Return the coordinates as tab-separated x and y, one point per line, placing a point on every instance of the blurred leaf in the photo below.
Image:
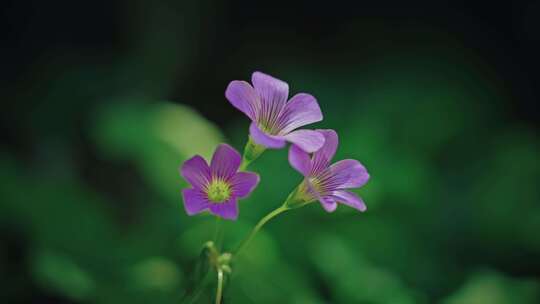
199	277
157	137
353	278
62	275
156	273
490	287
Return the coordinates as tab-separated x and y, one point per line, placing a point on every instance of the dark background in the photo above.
438	100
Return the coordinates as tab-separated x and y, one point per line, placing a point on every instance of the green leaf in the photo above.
157	137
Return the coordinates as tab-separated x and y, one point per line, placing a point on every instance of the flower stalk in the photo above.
220	262
258	227
252	151
219	290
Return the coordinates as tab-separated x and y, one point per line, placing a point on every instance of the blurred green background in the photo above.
103	101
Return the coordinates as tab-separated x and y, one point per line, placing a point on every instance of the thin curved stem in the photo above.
216	229
219	290
258	227
218	232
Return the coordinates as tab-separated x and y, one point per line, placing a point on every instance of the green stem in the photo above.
258	227
243	166
219	290
218	232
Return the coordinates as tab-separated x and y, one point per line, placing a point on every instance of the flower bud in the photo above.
224	258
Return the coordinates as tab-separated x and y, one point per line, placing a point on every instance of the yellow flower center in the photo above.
316	184
303	194
266	129
218	191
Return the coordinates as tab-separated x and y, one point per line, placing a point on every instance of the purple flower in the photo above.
274	120
328	183
219	186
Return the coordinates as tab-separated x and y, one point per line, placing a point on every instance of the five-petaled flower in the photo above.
324	182
219	186
274	120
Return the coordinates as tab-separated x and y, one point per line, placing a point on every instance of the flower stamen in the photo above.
218	191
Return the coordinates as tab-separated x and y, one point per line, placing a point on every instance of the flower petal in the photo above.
299	160
323	156
328	203
243	97
301	110
227	210
308	140
196	171
261	138
349	199
349	173
195	201
225	161
243	183
273	92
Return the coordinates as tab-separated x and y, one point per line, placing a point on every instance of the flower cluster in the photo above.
275	120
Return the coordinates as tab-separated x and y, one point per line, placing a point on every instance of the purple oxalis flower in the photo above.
274	120
219	186
328	183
